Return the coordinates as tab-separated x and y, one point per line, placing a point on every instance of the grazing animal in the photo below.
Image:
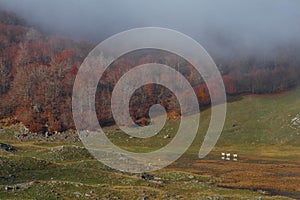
228	155
223	154
235	155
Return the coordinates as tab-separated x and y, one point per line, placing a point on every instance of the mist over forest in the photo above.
154	125
220	26
255	44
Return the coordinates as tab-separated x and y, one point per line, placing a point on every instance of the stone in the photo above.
7	147
8	188
147	176
191	176
16	187
167	136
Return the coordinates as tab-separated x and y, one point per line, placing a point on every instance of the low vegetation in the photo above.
257	128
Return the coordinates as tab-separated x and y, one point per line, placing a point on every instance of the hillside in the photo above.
256	122
258	128
38	72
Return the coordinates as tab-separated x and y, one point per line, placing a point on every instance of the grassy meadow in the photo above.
258	128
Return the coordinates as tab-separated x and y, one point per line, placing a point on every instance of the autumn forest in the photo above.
37	72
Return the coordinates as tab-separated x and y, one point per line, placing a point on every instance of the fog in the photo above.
218	25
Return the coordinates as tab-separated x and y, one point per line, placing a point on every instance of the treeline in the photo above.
37	74
263	74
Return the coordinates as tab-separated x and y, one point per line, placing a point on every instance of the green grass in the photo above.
251	122
262	120
255	122
255	126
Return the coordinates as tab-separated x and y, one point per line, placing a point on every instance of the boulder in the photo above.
7	147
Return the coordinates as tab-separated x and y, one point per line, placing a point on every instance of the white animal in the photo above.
228	155
223	154
235	156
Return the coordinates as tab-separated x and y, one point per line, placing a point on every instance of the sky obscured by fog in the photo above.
216	24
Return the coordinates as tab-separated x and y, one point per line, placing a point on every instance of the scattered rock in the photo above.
47	136
11	175
15	187
7	188
295	122
167	136
7	147
78	184
191	176
87	195
157	182
23	130
168	195
147	176
77	194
